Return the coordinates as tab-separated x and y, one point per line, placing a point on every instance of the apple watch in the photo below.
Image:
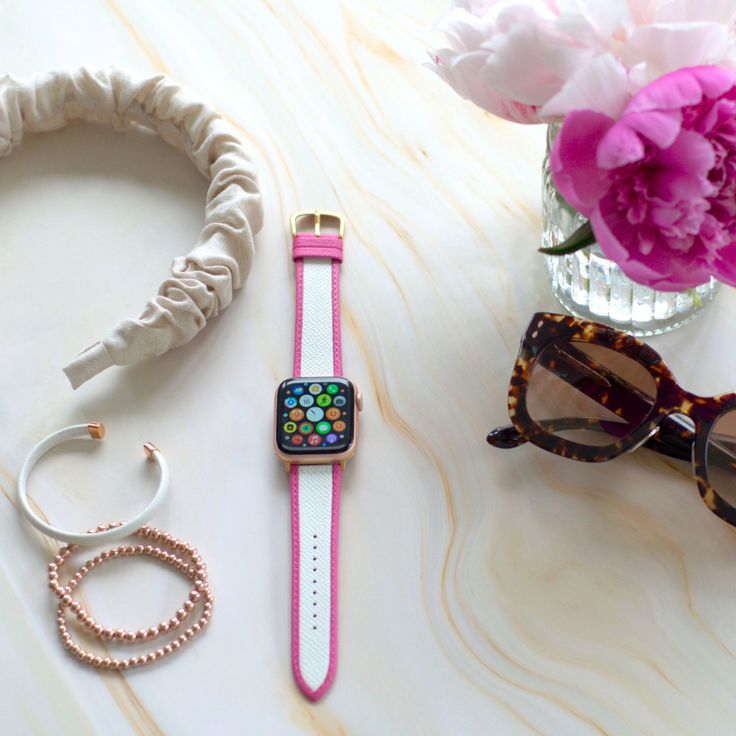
316	433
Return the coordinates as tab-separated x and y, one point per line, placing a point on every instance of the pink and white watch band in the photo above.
315	489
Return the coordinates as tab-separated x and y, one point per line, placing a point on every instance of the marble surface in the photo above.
483	592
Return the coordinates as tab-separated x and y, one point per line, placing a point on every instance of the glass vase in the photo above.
591	286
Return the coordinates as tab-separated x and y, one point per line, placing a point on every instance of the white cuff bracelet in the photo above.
95	431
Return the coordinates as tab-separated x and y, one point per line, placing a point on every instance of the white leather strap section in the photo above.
315	505
315	489
317	349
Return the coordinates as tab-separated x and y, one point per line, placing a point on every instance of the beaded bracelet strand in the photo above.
195	569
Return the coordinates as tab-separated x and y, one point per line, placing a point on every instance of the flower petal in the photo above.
600	85
619	146
665	47
661	127
530	61
476	7
464	73
725	264
615	250
678	11
682	169
573	159
673	278
669	92
657	266
591	20
465	31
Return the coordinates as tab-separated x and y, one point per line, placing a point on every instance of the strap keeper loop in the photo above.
309	245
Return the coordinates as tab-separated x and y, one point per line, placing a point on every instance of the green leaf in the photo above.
581	238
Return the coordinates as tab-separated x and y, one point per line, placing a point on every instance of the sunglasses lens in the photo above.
721	457
588	394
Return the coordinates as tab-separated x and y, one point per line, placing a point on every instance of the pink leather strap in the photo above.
315	489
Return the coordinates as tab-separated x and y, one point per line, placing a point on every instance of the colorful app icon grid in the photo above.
318	417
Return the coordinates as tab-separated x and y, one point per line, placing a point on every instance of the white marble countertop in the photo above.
482	592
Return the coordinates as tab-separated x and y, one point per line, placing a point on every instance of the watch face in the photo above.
315	416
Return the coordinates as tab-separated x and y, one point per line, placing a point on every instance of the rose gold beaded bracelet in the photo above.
195	569
160	546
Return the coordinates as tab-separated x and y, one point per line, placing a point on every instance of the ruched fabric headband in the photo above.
202	281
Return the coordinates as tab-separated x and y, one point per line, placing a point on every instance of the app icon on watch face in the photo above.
315	415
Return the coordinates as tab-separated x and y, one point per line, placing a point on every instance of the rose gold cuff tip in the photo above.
150	448
96	430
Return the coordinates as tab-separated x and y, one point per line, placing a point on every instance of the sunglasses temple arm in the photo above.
508	437
505	438
672	441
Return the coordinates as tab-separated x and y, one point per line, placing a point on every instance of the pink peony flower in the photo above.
659	183
534	61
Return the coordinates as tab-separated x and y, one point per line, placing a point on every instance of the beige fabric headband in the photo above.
202	281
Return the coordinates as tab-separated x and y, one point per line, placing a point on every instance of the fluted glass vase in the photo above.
591	286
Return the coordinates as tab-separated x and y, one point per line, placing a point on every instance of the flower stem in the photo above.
581	238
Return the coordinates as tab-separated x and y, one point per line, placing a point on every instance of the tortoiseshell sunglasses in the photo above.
588	392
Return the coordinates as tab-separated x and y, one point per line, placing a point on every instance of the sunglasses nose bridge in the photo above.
673	399
685	403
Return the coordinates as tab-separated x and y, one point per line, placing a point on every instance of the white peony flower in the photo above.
535	60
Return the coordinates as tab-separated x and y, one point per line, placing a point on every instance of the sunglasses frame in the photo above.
546	329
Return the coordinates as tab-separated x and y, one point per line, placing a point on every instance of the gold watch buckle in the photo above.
317	217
